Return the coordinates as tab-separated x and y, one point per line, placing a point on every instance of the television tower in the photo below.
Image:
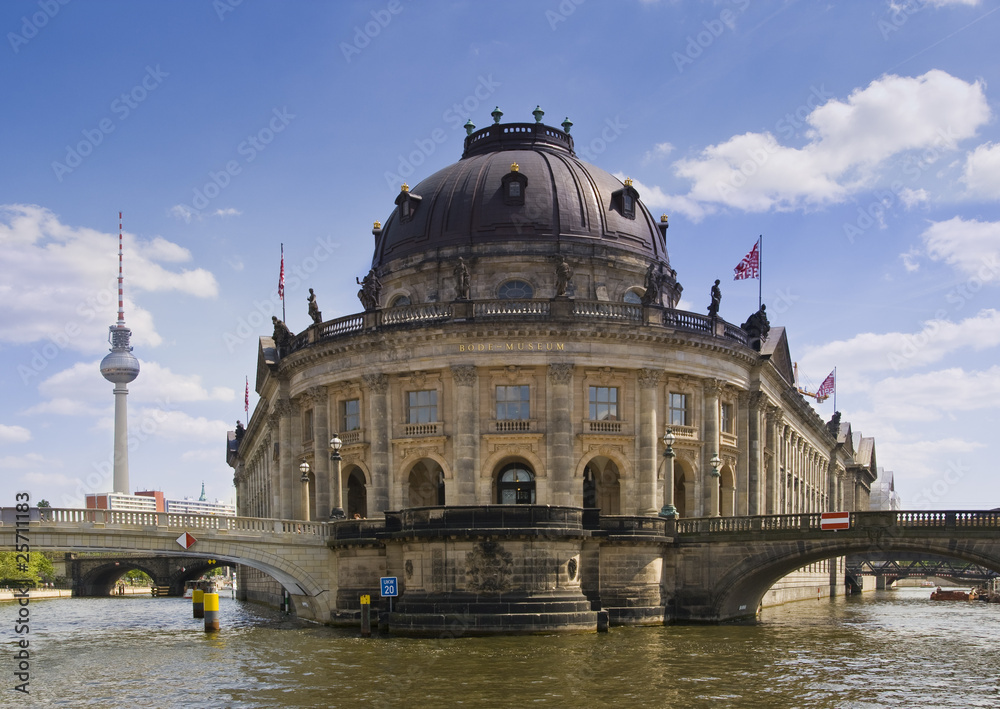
120	366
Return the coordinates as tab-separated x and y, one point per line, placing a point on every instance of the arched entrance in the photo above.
425	486
681	478
357	494
727	491
601	486
515	484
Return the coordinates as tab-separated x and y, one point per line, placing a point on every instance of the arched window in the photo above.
357	494
632	297
516	485
399	301
426	485
515	289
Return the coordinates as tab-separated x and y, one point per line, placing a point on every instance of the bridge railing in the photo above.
812	521
76	517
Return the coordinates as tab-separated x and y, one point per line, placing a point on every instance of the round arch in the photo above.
683	488
727	491
486	488
355	481
600	479
514	484
424	483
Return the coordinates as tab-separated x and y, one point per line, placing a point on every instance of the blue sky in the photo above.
861	139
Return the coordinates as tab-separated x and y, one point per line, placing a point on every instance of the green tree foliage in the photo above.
38	569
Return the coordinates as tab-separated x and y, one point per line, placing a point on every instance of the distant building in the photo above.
155	501
883	494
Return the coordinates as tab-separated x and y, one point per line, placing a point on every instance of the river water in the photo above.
884	649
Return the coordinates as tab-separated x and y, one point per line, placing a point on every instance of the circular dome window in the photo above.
516	289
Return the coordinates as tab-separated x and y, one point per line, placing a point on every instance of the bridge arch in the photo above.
738	592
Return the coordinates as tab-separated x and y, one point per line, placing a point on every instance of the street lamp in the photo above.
304	469
337	512
668	510
716	463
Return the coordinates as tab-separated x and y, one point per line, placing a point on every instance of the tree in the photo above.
44	503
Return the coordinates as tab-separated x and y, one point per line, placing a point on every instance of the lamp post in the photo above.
337	512
668	510
304	469
716	463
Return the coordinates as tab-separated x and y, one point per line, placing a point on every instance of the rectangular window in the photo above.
422	406
512	403
678	410
728	422
307	425
350	415
603	403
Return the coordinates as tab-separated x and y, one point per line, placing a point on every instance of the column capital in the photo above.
649	378
376	383
712	387
464	374
560	372
315	395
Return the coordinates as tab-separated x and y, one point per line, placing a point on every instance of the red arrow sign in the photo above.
835	520
186	540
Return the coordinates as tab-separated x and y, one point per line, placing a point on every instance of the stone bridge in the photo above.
294	553
97	574
725	565
696	570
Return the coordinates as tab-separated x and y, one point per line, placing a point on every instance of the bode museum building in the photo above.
519	413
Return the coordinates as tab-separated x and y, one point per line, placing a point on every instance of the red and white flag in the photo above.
281	276
749	267
828	386
246	398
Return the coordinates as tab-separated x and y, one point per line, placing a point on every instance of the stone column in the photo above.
560	435
756	450
284	477
317	397
774	416
712	388
649	382
463	489
381	428
744	451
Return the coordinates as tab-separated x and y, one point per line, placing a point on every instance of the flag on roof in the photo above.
828	386
749	267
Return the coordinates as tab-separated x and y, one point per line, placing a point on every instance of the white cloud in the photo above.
228	212
60	281
912	197
982	171
971	246
182	212
850	144
929	396
24	462
659	151
654	198
14	434
76	390
871	352
175	425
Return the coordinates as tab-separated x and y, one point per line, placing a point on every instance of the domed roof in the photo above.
120	367
559	198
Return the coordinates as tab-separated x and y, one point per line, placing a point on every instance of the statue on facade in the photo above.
239	431
282	335
713	307
757	326
314	313
462	280
653	284
564	274
371	288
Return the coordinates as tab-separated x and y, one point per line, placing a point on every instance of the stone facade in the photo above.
541	369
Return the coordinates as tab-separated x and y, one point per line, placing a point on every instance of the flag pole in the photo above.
282	283
760	270
835	390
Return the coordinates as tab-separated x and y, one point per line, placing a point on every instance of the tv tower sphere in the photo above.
120	365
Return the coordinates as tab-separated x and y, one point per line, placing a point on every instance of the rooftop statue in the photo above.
462	280
371	289
757	327
713	307
653	284
282	335
564	274
314	313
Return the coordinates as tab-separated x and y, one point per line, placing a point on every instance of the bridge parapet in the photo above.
75	517
812	522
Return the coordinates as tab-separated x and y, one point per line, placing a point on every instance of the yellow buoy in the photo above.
198	603
211	612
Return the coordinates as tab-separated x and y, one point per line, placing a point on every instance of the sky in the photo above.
860	140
